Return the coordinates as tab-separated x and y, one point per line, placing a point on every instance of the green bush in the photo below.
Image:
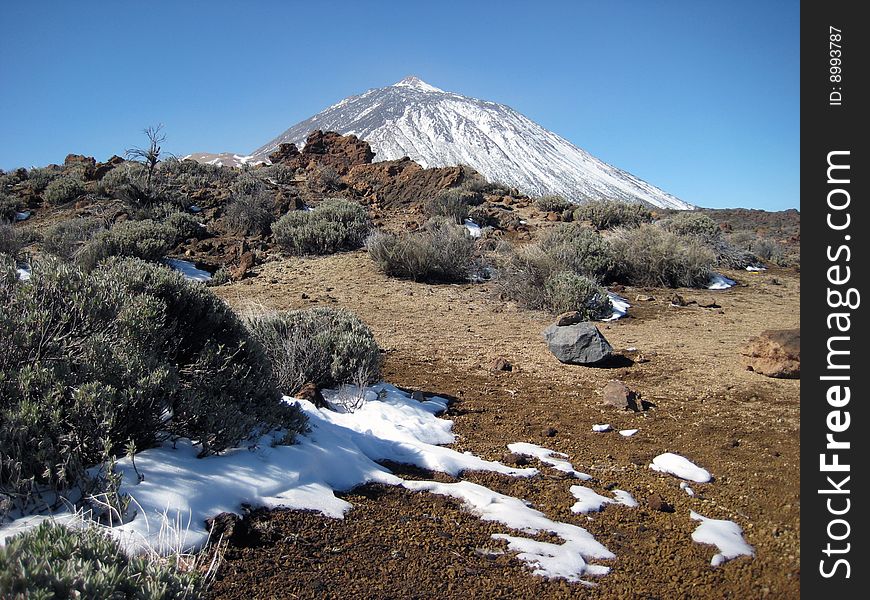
453	203
194	175
185	226
650	255
334	225
148	240
52	561
324	346
552	204
38	179
567	291
250	212
522	274
62	190
129	352
579	249
8	207
607	214
693	224
65	237
11	241
442	252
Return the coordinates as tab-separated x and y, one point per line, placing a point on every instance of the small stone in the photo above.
550	432
500	364
656	502
618	395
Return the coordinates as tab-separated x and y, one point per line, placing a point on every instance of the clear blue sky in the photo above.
700	98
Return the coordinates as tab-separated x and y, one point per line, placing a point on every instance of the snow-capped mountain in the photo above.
437	128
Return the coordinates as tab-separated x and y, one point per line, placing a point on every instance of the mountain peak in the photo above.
412	81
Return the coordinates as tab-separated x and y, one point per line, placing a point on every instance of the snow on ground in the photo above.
627	432
548	457
681	467
601	428
473	228
23	273
685	487
620	306
567	560
188	269
589	500
22	216
195	209
727	536
720	282
753	269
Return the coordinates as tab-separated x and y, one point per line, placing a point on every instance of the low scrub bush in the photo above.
553	204
579	249
334	225
128	353
250	211
65	237
185	226
325	346
62	190
567	291
442	252
39	178
147	239
650	255
453	203
694	225
194	175
11	242
52	561
607	214
8	207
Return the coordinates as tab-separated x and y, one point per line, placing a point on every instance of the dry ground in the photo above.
741	426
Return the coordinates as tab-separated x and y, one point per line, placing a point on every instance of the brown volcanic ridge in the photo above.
687	364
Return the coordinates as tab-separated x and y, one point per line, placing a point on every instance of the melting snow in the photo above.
473	228
627	432
548	457
591	501
23	273
727	536
685	487
188	269
752	269
22	216
680	466
620	306
720	282
601	428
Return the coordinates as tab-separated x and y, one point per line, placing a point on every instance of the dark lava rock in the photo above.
578	344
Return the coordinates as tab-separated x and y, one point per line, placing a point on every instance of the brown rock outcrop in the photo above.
775	353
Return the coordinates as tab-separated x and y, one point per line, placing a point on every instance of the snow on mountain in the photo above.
438	128
224	159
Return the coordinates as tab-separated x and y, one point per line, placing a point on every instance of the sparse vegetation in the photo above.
65	237
693	224
567	291
579	249
53	561
146	239
653	256
250	212
553	203
442	252
607	214
11	241
8	207
324	346
334	225
453	203
62	190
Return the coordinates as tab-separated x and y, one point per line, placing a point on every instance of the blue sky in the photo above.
700	98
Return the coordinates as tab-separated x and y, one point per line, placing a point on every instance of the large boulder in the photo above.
775	353
577	344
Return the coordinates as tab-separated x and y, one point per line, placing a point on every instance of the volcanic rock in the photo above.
578	344
775	353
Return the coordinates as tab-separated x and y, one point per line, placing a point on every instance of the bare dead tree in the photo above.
150	155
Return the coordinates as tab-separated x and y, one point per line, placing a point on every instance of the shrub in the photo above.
522	275
11	241
693	224
90	362
441	252
38	179
328	178
769	250
250	212
121	176
453	203
607	214
147	239
552	204
194	175
63	238
8	207
52	561
566	290
185	226
62	190
324	346
579	249
334	225
653	256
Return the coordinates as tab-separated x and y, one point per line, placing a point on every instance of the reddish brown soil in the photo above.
740	425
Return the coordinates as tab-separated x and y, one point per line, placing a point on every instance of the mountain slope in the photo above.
437	128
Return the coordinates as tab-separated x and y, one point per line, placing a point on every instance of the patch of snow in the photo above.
188	269
195	209
681	467
720	282
685	487
623	497
589	500
727	536
567	560
753	269
627	432
601	428
23	273
23	215
548	457
620	306
337	454
473	228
